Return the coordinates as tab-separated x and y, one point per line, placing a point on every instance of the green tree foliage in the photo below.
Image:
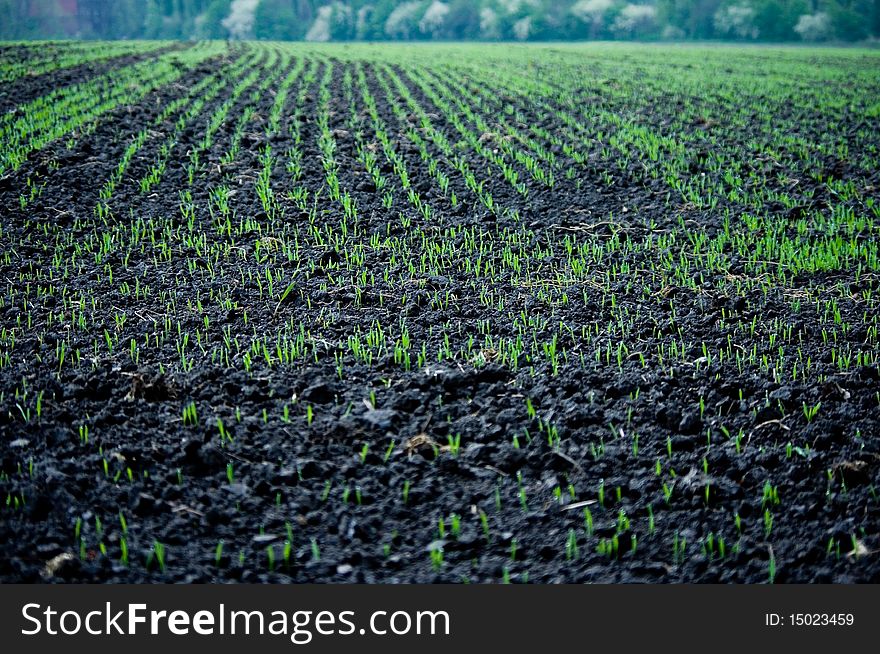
744	20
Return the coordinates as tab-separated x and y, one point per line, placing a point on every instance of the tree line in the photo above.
481	20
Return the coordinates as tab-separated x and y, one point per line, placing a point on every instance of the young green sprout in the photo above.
771	567
270	558
437	558
389	450
571	546
484	526
810	412
454	444
157	555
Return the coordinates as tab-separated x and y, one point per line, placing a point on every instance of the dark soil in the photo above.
188	491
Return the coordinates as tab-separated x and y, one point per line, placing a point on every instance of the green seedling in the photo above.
810	412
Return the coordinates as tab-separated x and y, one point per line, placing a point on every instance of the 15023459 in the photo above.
821	619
